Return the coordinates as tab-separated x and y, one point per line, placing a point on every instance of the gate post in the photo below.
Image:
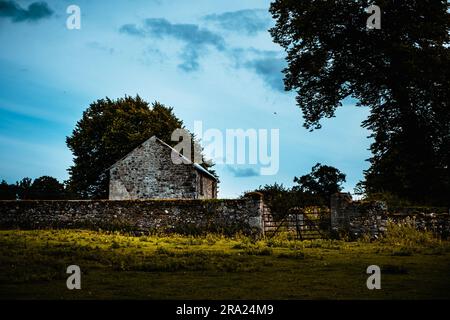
257	221
339	214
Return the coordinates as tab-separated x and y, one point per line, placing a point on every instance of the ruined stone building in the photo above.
148	172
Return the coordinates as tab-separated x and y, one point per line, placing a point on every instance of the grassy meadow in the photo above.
33	265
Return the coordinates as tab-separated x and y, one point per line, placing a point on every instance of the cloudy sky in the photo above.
211	60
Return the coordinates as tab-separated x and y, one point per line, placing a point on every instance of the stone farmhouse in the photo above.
148	172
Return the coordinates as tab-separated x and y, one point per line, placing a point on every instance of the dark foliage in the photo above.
323	181
8	191
401	72
46	188
42	188
108	130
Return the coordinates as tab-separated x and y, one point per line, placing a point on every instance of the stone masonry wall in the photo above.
206	187
183	216
357	218
149	173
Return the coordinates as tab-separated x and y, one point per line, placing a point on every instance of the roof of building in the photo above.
185	160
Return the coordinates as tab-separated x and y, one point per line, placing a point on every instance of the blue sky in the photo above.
212	61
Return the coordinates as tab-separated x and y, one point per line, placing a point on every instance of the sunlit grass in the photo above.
118	265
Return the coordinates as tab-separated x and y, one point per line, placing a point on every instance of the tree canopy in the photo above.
323	181
7	191
46	188
42	188
312	189
401	72
107	131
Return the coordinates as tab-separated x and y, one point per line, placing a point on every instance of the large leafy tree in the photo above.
108	130
312	189
400	71
322	181
46	188
23	188
42	188
8	191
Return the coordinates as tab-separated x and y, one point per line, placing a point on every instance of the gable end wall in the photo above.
148	173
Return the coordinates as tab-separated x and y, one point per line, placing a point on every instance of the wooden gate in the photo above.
303	223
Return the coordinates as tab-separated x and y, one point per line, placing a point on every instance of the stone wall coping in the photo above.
124	201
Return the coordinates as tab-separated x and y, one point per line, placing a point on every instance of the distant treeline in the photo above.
42	188
312	189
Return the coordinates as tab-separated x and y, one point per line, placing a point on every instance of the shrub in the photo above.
297	254
115	245
402	252
162	251
405	234
258	251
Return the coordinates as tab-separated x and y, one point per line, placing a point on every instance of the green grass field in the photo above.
119	266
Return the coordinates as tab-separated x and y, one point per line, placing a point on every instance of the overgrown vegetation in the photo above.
42	188
400	72
310	190
118	265
405	240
